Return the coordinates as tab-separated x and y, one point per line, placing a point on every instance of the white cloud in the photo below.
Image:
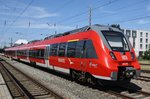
32	11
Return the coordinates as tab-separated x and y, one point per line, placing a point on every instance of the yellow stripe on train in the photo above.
73	40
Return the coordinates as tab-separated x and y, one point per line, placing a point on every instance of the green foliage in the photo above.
147	55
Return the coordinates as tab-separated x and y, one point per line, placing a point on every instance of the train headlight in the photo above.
132	56
113	55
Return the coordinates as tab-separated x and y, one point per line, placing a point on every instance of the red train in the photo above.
97	51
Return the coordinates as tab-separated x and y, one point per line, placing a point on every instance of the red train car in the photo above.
97	51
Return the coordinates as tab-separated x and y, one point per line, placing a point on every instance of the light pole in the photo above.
11	41
55	27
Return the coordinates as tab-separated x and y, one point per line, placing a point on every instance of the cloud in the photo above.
35	25
39	12
143	22
32	11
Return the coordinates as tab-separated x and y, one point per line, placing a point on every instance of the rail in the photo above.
23	85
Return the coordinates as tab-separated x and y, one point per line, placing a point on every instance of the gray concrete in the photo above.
4	92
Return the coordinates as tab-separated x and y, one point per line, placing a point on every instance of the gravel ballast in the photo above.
66	88
143	84
70	89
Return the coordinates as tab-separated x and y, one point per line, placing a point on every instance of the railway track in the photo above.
145	64
122	92
128	93
144	78
22	86
145	71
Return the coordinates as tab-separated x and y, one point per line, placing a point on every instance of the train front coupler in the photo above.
126	72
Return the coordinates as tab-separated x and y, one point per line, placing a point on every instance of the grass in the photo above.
144	67
144	61
147	67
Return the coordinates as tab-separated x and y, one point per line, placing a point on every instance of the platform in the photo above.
4	92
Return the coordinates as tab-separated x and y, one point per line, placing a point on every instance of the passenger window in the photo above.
80	49
33	53
90	51
71	49
40	53
62	48
53	50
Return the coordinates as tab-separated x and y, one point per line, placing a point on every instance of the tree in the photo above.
147	55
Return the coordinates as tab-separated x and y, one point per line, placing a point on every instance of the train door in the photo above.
87	54
81	53
27	52
46	56
15	54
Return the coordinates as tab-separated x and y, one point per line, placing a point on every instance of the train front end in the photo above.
118	55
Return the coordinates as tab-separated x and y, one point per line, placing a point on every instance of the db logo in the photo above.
124	57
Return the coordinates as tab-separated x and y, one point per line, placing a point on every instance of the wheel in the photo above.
90	79
74	75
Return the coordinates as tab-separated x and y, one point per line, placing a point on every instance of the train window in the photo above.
90	51
80	49
47	51
25	52
71	49
116	41
33	53
62	48
53	50
40	53
30	53
21	52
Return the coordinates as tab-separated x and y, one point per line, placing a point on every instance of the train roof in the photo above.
92	27
40	43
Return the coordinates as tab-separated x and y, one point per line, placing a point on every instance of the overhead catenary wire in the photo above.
121	21
133	19
4	4
70	1
9	27
124	8
13	11
5	22
113	14
63	6
82	13
109	15
85	12
20	15
127	13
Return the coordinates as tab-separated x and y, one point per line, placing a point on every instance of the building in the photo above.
21	41
140	40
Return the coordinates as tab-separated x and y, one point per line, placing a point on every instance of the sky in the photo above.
36	19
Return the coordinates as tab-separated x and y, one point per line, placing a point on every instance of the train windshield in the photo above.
116	40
